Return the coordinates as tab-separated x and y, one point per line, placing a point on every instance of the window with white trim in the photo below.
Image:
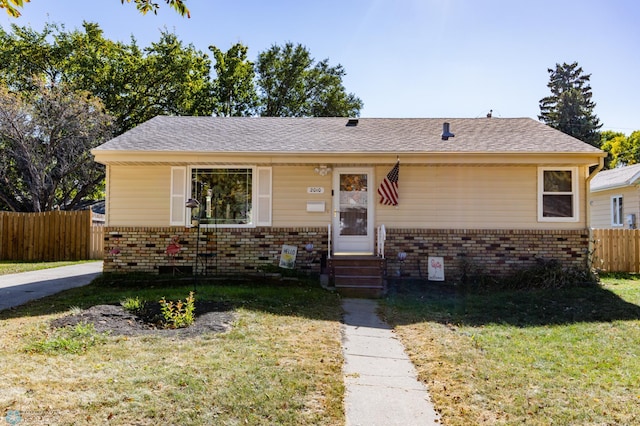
234	196
616	211
558	194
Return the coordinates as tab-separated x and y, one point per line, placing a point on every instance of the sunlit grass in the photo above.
279	364
538	357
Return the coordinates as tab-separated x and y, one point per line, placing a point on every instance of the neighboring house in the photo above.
493	198
615	198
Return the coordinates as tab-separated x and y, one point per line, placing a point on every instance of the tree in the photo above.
292	86
234	91
570	108
45	138
144	6
622	150
167	79
615	144
134	84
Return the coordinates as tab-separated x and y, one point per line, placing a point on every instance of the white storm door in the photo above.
353	211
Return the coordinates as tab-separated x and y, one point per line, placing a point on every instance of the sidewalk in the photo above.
16	289
382	388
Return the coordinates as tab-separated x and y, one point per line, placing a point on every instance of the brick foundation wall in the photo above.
245	250
492	252
238	250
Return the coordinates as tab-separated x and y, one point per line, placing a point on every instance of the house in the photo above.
483	194
615	198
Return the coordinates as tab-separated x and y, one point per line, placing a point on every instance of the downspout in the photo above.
588	181
591	245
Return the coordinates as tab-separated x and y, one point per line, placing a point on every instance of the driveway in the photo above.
16	289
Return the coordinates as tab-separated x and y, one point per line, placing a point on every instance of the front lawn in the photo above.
544	357
280	363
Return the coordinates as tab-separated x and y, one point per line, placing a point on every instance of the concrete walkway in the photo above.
382	388
16	289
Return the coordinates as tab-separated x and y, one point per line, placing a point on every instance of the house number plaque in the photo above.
315	190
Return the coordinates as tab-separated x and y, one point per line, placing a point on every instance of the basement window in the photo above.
557	194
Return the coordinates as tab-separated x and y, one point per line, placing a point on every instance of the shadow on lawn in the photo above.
302	298
520	308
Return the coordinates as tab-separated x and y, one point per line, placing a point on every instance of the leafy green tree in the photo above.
45	139
292	86
134	84
615	144
569	108
145	6
623	150
234	91
168	79
633	141
27	57
12	7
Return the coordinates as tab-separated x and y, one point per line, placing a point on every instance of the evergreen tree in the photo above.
570	108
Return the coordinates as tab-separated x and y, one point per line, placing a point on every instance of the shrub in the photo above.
178	314
545	274
549	273
135	305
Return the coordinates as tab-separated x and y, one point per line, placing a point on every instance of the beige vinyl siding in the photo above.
139	195
431	196
439	197
600	204
290	196
470	197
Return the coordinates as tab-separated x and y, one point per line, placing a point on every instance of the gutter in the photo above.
596	170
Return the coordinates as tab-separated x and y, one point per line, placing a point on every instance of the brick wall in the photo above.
491	252
238	250
242	250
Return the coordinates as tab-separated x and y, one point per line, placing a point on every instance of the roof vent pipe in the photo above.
446	134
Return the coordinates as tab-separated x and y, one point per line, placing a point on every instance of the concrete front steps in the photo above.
358	276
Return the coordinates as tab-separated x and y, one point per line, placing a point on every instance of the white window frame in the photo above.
259	176
617	210
574	193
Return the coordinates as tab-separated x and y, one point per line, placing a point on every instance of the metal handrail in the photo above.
329	241
382	237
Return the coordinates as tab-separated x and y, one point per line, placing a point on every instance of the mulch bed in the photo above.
211	317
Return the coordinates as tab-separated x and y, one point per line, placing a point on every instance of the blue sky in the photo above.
410	58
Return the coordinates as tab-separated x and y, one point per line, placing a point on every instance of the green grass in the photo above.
281	362
543	357
68	340
11	267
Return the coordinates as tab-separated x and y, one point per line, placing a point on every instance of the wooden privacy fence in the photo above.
50	236
616	250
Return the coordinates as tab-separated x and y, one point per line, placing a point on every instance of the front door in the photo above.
353	211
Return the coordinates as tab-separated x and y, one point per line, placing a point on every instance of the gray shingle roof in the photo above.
331	135
616	178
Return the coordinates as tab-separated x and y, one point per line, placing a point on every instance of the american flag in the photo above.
388	190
